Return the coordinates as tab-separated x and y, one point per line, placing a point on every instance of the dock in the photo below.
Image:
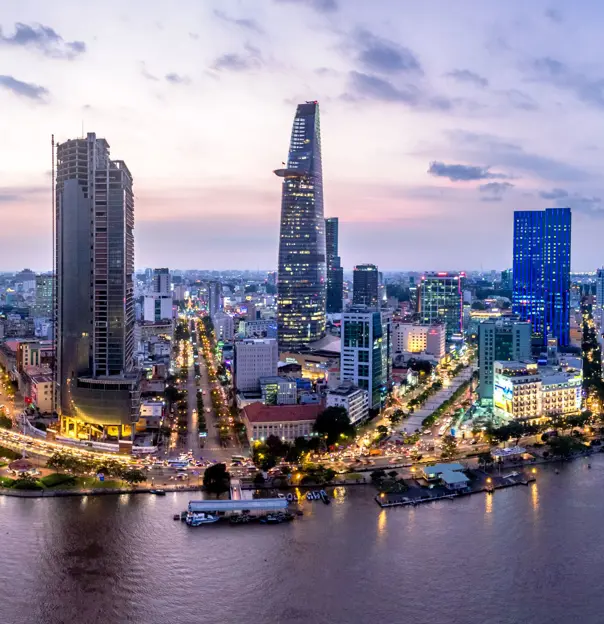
417	495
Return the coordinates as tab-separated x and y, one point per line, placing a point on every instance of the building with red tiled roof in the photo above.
284	421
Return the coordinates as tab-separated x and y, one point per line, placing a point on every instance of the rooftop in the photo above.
261	413
345	389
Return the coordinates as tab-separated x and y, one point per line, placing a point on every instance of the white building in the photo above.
259	328
366	349
255	358
279	391
353	399
527	390
157	308
41	392
224	326
419	339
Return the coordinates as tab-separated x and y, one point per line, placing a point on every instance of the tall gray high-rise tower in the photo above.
97	387
335	272
301	286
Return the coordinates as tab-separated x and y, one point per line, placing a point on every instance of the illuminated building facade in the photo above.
301	285
366	358
97	386
365	285
335	272
440	300
541	271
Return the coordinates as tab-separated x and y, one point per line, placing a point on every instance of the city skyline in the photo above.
446	142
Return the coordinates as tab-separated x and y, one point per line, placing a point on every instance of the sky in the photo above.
437	122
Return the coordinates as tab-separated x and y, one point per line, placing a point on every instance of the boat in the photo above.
158	492
176	516
197	519
270	519
324	497
292	498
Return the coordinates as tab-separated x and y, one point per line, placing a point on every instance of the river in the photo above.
523	555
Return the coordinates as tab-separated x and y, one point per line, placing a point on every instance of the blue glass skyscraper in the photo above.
301	285
541	271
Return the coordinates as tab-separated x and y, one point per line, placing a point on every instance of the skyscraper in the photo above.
214	298
335	272
541	271
367	351
301	285
440	300
365	286
96	383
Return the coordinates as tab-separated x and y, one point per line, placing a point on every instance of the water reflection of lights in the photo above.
381	527
488	503
83	502
535	496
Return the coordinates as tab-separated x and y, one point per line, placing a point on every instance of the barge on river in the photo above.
209	511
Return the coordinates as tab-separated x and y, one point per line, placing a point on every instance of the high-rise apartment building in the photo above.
161	282
301	285
500	340
335	272
365	286
366	358
255	358
541	271
214	298
157	304
440	300
96	383
44	296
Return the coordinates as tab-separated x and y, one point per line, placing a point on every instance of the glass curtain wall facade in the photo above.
365	285
335	272
441	301
301	285
541	271
96	383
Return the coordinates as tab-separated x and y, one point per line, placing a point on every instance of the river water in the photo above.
524	555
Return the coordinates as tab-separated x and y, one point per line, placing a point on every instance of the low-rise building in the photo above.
151	415
526	390
254	358
278	390
353	399
41	391
450	475
287	422
417	339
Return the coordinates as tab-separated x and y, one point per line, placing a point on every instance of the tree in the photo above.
449	447
382	429
5	422
396	416
393	474
275	446
259	479
216	479
378	475
485	459
133	475
564	446
334	425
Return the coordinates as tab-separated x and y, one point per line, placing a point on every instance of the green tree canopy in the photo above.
334	424
216	479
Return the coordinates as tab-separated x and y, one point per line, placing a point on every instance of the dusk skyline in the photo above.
436	126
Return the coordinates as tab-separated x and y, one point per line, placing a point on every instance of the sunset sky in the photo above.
438	120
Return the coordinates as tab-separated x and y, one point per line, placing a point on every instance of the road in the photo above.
414	422
192	416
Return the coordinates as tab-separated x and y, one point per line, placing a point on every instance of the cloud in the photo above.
45	40
245	23
494	191
562	198
320	6
556	193
371	87
486	147
463	173
380	55
554	15
177	79
520	100
239	62
467	76
146	73
24	89
550	70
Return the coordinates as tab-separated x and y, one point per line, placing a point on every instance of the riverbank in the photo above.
94	491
